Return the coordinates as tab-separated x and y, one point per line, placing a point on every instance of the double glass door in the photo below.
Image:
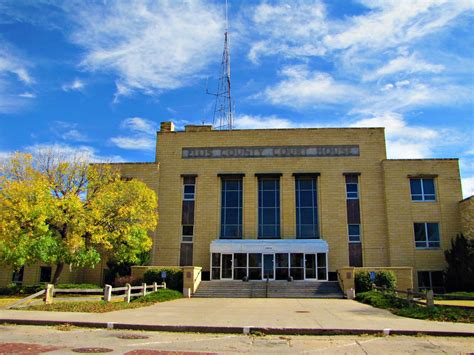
276	266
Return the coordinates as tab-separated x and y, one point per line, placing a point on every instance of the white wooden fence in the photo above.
107	294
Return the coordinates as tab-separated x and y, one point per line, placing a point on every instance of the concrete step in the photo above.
274	289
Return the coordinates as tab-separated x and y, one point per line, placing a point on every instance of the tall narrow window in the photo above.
231	208
187	221
422	189
306	208
269	207
353	219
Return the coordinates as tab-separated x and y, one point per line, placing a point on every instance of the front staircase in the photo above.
272	289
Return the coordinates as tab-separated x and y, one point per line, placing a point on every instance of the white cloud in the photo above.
68	131
149	45
27	94
259	122
68	152
403	141
134	142
391	24
302	87
467	186
142	137
75	85
14	75
139	124
406	64
294	29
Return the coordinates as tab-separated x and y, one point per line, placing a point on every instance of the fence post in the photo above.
107	293
144	289
49	293
128	293
155	287
430	298
163	284
410	296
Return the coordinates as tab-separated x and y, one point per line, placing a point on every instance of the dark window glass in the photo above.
306	208
189	192
431	280
269	208
352	191
188	230
17	276
231	208
354	232
45	274
427	235
186	254
216	259
188	213
422	189
281	260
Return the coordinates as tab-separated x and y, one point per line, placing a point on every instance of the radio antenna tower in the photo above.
223	115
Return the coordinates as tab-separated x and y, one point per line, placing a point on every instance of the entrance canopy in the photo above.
269	246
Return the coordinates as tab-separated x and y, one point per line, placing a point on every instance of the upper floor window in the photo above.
352	187
354	233
269	207
231	208
426	235
306	207
422	189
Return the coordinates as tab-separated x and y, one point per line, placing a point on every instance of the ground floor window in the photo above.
271	266
431	280
45	274
17	276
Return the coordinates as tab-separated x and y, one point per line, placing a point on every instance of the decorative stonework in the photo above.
271	152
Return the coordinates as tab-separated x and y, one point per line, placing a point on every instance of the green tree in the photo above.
459	275
69	212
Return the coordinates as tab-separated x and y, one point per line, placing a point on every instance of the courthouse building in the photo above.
300	203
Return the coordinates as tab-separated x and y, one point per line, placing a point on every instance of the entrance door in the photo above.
226	267
310	266
268	266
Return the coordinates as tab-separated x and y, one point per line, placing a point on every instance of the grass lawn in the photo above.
402	308
7	300
102	307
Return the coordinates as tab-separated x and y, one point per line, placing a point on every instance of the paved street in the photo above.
62	340
271	313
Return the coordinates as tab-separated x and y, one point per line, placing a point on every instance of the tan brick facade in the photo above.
386	210
466	209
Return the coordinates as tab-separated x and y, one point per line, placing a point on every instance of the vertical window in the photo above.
354	233
352	190
187	221
268	207
45	274
426	235
353	219
306	208
17	276
422	189
231	208
216	266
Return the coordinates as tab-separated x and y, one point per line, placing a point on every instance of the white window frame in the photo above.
426	241
423	195
357	192
188	193
349	235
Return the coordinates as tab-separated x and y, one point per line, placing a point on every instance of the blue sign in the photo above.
163	274
372	275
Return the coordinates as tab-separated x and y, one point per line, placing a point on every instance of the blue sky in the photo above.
98	77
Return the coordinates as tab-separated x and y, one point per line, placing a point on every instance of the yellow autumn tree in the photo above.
69	212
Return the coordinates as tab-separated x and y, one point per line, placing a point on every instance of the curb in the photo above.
237	330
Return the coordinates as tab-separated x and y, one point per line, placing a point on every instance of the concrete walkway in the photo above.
234	315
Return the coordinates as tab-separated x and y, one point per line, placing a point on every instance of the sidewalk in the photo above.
276	316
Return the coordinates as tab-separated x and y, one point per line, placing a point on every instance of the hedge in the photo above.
174	277
385	279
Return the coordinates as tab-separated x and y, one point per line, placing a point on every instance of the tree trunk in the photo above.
57	273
